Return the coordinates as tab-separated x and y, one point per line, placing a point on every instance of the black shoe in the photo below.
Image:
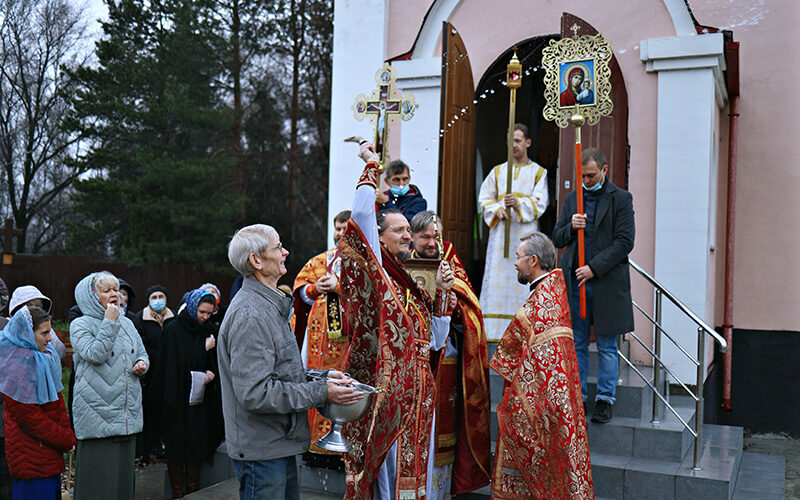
602	412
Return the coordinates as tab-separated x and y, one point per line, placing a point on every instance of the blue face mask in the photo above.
596	187
122	307
158	305
400	190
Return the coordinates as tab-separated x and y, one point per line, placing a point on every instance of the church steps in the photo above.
633	458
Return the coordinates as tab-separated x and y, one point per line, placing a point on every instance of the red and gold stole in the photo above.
324	350
462	406
387	318
542	444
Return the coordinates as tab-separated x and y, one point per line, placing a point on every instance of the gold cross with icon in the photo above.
383	102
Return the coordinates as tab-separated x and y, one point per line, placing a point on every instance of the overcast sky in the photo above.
94	10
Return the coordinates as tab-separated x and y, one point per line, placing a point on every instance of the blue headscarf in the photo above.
192	300
26	374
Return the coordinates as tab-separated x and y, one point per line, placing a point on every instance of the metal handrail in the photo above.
657	324
658	357
699	362
680	305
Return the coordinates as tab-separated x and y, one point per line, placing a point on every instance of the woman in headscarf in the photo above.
37	427
109	358
219	312
187	372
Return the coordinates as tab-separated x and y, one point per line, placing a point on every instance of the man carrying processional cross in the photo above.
521	207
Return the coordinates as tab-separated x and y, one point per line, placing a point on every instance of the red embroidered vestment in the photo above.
462	406
387	318
542	444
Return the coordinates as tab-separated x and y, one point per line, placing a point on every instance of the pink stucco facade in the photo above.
769	177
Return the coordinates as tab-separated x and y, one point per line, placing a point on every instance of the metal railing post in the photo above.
620	344
698	413
657	357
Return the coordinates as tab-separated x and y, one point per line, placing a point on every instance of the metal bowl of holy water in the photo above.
343	414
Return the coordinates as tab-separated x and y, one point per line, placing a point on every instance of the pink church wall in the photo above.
767	198
769	154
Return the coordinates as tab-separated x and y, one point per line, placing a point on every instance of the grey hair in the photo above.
421	221
248	240
380	218
104	279
212	286
538	244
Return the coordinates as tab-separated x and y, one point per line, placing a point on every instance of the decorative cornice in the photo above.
685	53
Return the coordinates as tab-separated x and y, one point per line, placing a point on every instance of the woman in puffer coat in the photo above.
37	428
109	358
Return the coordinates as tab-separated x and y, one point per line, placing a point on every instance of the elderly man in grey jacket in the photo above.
265	391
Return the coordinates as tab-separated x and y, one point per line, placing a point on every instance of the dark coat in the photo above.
152	338
614	232
189	432
410	204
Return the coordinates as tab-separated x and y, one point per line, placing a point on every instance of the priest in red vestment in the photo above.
542	445
392	325
318	320
462	454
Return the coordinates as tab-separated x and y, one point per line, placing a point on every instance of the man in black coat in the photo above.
609	233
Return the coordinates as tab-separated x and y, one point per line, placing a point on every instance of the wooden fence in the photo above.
57	275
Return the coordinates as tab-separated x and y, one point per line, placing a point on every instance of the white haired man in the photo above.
265	391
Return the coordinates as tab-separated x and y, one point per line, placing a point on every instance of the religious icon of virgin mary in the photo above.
576	84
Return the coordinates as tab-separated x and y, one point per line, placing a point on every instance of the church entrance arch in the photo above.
492	127
481	127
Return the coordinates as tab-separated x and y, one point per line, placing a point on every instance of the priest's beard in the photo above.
432	255
523	277
403	256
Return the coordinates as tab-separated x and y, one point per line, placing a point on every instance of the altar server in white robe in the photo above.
501	294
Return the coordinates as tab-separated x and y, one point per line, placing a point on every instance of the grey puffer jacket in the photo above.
265	394
108	396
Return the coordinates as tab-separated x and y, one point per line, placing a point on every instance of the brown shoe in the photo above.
192	475
175	472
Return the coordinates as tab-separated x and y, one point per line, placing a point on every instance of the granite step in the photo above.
640	438
635	477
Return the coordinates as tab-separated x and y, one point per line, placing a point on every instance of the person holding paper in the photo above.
186	375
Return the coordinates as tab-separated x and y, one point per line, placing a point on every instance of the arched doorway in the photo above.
492	122
479	123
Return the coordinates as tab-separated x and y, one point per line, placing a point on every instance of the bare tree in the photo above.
40	40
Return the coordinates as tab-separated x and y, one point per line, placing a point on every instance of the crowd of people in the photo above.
176	384
133	374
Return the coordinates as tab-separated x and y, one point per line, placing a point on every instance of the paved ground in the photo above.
150	486
150	480
777	444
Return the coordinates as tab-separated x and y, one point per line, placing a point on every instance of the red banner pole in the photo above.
577	121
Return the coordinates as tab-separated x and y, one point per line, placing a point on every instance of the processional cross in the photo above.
383	102
9	231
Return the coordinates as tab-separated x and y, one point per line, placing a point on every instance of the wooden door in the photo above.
610	135
457	205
